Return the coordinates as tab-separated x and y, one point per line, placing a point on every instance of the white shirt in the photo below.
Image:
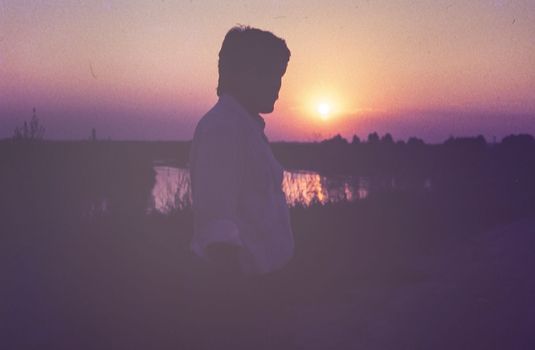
237	189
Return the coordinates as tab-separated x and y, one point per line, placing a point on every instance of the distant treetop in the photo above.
32	131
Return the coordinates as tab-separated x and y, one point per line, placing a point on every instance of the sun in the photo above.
324	109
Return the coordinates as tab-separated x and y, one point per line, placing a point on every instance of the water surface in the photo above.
173	189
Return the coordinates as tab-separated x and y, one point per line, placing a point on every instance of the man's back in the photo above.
236	186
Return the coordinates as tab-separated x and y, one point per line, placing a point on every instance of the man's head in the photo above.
251	65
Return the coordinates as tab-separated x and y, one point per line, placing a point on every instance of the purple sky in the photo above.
148	70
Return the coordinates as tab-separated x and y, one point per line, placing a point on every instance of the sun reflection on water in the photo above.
173	189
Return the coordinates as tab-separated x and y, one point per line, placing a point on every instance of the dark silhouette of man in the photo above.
242	232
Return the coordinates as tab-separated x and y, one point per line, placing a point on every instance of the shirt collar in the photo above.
258	118
231	101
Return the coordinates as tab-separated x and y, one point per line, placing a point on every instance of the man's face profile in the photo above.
265	86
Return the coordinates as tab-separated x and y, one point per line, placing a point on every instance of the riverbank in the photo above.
476	295
397	273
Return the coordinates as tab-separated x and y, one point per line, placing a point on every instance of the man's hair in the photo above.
244	46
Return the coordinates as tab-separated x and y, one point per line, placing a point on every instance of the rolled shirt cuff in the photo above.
215	231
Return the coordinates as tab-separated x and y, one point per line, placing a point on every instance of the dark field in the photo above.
449	268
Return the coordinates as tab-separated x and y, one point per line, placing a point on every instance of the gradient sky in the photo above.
148	69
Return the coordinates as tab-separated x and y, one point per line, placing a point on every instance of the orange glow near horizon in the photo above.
374	65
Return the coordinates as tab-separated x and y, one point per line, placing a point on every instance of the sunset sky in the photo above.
148	69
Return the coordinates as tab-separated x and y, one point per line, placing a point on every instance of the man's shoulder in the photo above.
219	122
219	117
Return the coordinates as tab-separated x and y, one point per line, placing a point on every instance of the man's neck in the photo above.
250	111
245	103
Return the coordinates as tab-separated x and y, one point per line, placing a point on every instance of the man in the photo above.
241	222
241	217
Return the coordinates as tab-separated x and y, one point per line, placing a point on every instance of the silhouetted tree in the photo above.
373	138
414	141
518	140
32	131
335	140
467	142
355	140
387	139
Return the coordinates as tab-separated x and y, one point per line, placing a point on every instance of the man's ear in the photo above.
246	78
249	71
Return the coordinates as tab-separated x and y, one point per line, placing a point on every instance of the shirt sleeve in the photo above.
215	175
